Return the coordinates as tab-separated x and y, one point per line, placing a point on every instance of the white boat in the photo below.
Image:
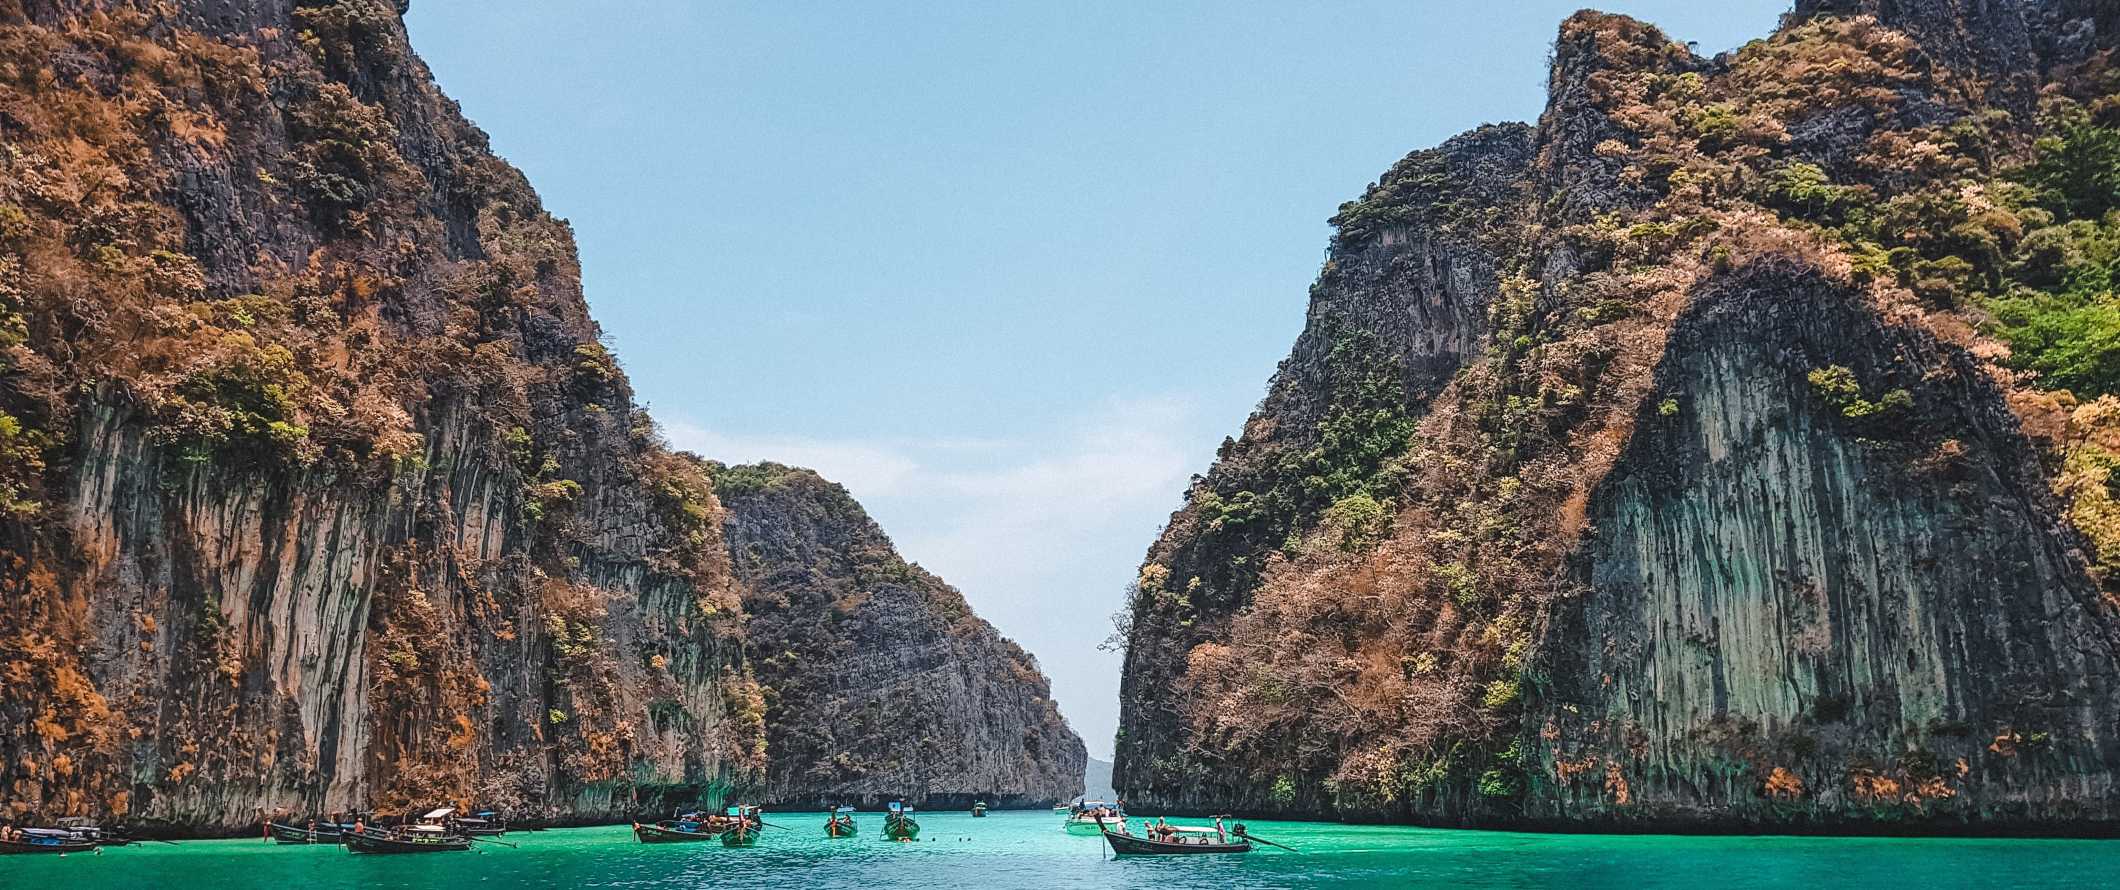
1082	818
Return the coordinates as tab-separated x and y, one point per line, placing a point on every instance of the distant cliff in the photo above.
880	682
1097	780
1732	449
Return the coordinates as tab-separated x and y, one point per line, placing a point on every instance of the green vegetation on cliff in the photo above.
1521	552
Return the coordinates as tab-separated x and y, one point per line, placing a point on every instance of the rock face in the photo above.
880	682
1097	781
320	492
1667	466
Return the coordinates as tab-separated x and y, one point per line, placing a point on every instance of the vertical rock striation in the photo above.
320	492
1684	462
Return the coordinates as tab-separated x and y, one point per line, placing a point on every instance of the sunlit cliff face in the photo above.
1709	455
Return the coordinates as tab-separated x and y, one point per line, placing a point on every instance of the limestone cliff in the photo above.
1730	450
318	491
879	681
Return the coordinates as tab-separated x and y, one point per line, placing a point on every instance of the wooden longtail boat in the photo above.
676	831
742	834
898	824
319	833
484	824
87	830
1131	845
979	809
46	840
418	839
841	823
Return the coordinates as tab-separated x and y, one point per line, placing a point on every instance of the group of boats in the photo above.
438	831
1108	820
738	826
442	830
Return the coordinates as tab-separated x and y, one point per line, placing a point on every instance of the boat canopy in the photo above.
441	813
844	810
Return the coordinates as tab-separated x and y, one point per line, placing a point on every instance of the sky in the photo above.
1007	271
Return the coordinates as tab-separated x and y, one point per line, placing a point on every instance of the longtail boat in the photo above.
841	823
45	840
689	827
313	833
898	824
979	809
485	823
1176	841
415	839
741	834
739	826
87	830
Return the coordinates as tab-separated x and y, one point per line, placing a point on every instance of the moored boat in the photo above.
740	834
841	823
898	824
689	827
414	839
484	823
979	809
308	833
1173	840
43	840
87	830
1082	818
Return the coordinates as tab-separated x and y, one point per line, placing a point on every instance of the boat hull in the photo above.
1129	845
31	847
901	829
738	838
836	828
291	834
663	834
371	842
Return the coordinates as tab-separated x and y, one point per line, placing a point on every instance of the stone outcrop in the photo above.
880	682
1620	482
324	495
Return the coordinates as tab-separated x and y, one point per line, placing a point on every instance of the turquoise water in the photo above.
1028	849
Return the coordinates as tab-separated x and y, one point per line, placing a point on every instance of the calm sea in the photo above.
1029	850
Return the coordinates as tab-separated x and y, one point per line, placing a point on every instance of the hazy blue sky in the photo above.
1008	271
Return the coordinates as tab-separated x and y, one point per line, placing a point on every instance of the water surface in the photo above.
1028	849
